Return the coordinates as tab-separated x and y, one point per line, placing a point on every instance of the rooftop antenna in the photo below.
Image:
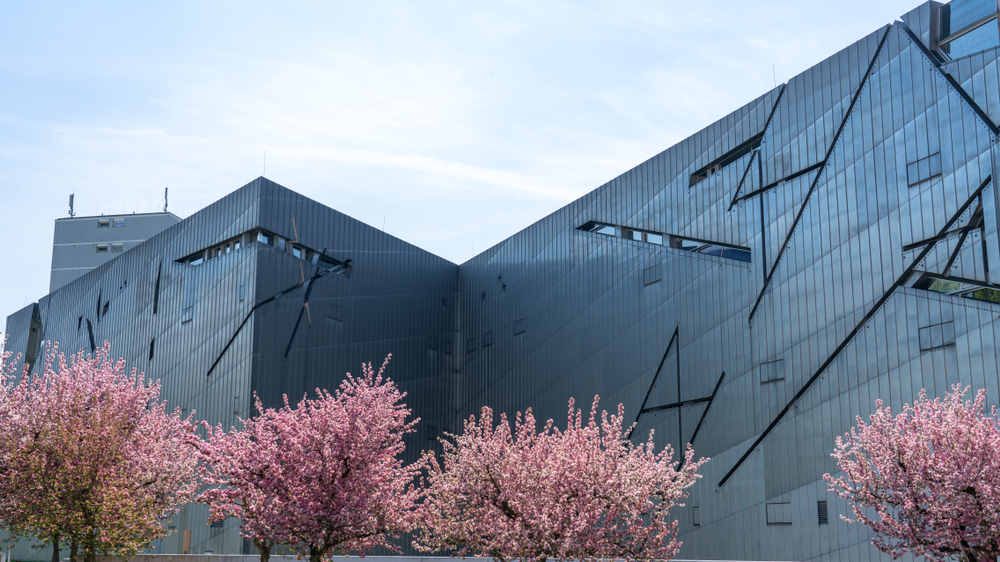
165	191
72	213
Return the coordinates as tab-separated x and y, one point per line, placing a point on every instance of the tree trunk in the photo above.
74	550
265	549
90	547
315	554
55	547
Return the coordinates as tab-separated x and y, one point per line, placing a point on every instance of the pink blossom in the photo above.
324	477
927	480
89	456
580	494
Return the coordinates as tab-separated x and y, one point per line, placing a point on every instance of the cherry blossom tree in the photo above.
243	466
927	480
90	456
323	477
584	493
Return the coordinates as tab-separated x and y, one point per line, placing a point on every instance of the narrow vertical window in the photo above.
156	289
152	344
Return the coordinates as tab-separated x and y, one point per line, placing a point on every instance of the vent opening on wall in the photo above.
726	159
821	512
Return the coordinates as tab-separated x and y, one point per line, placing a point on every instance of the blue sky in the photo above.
455	123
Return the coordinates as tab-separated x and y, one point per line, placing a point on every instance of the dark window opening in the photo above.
117	247
156	289
696	516
90	334
726	159
152	343
103	223
79	323
821	512
217	524
35	338
102	248
107	305
98	305
598	228
711	248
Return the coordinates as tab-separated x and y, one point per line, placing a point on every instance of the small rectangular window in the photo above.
236	245
654	238
103	223
217	524
936	336
696	515
651	275
779	513
296	251
264	238
117	247
923	169
119	223
772	371
102	248
636	235
821	512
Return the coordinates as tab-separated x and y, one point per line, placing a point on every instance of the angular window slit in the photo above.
598	228
152	344
156	289
958	287
726	159
711	248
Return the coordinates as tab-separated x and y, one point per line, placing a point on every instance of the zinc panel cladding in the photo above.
759	365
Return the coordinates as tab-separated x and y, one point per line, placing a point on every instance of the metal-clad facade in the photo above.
761	288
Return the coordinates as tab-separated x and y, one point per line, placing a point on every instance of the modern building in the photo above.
80	244
750	291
